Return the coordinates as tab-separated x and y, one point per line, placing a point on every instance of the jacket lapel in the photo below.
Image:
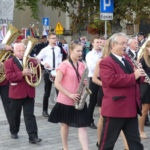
118	62
17	63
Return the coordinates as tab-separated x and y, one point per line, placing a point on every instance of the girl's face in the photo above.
76	53
148	50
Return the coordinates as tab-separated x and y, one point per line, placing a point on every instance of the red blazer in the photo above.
18	87
121	90
4	82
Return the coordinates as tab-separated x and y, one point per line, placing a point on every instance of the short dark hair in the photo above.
95	37
50	34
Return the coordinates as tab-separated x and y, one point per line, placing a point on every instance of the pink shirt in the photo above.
69	81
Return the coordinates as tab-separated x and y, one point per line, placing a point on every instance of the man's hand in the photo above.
8	48
139	73
26	72
46	65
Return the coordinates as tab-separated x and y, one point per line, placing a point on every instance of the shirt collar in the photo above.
118	57
96	52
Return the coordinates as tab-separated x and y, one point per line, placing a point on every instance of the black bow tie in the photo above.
20	59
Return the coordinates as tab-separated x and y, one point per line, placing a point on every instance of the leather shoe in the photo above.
97	145
93	126
45	114
35	140
14	136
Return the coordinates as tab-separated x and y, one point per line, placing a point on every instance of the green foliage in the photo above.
84	12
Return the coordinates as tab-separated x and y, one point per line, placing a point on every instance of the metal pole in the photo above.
105	29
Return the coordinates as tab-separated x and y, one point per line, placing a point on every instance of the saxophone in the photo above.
83	91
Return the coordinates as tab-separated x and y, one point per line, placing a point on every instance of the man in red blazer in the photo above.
121	101
21	94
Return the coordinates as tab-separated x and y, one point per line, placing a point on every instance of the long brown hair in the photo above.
107	48
146	55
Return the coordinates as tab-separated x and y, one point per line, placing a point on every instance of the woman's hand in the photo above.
85	82
75	97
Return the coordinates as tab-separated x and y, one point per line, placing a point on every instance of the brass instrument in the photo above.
83	90
11	35
35	78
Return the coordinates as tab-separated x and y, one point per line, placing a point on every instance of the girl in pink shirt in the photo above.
67	81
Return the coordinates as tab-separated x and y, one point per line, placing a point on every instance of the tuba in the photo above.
83	90
29	62
11	35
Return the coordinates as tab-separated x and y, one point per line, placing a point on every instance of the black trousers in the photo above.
28	111
93	99
47	90
111	131
6	102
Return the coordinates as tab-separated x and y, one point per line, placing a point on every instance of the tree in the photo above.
83	12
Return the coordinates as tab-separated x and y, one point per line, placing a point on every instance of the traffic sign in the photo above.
59	29
106	6
106	16
45	21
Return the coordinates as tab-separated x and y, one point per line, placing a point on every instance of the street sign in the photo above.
45	21
106	16
59	29
106	9
106	6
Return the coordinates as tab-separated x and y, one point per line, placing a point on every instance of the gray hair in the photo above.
16	44
131	39
114	37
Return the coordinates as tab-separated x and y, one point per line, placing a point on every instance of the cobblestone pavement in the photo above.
49	132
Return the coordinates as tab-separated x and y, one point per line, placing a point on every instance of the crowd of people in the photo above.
116	78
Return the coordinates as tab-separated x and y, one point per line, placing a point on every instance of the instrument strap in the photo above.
76	69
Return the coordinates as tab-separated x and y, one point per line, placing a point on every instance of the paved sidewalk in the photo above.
50	133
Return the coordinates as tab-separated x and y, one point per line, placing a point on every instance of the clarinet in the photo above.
137	66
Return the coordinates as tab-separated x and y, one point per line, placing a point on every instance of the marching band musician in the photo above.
4	88
21	95
91	58
67	82
144	89
121	100
50	57
133	47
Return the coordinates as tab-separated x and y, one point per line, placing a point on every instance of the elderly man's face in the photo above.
19	50
134	45
119	47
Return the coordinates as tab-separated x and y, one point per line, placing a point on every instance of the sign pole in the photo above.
105	30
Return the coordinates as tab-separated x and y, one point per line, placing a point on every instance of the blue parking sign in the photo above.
45	21
106	6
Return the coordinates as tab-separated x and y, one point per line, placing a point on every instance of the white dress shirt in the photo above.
46	56
120	58
91	59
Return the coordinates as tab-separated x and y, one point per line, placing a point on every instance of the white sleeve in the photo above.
41	55
89	61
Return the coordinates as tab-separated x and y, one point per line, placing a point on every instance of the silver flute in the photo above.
137	66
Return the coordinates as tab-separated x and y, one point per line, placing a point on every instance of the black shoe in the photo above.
35	140
97	145
45	114
93	126
147	123
14	136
